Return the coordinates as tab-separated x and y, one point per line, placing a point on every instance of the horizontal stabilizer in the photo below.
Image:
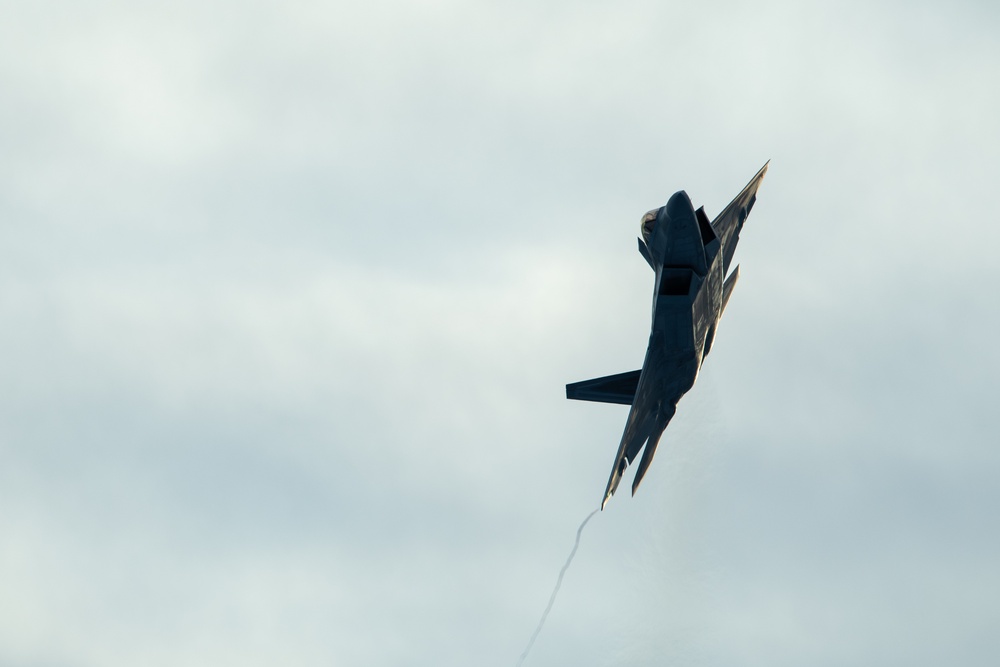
618	388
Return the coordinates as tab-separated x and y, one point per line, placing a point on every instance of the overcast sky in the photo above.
289	294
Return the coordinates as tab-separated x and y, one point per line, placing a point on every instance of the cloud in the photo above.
289	297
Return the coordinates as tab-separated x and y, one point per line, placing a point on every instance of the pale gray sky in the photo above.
289	293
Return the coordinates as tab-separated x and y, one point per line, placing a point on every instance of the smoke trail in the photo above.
555	591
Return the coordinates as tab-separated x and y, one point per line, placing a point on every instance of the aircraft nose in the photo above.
679	207
683	245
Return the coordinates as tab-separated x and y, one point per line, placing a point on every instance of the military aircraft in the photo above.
691	258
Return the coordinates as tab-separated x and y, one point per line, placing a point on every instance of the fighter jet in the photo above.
690	257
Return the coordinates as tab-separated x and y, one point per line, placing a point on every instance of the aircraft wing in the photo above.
727	225
637	430
618	388
640	423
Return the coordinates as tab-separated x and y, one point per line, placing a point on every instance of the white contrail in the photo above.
555	591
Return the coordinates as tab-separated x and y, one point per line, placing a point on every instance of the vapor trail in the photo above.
555	591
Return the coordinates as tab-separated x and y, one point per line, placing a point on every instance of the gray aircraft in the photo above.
691	258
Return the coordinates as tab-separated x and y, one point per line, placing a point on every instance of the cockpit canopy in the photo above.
647	224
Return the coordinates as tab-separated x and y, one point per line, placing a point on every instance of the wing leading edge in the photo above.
727	225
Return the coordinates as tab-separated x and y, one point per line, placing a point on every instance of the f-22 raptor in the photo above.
691	258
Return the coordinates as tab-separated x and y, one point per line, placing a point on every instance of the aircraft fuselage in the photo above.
690	257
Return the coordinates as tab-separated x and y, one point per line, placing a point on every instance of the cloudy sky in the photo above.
289	293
